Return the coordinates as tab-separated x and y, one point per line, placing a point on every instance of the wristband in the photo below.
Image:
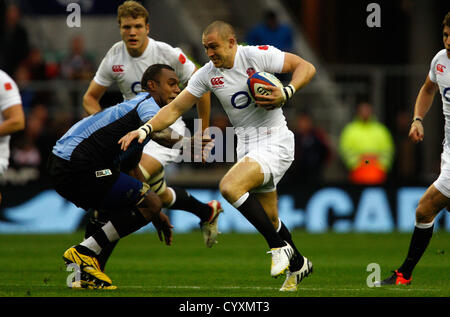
145	130
417	119
288	91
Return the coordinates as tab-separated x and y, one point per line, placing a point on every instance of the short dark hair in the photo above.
446	21
224	29
152	73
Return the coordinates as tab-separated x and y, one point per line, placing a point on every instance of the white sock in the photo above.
110	233
174	197
92	245
424	225
241	200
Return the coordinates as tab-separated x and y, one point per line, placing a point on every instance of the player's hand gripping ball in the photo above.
258	80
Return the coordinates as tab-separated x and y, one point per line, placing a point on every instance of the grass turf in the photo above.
142	266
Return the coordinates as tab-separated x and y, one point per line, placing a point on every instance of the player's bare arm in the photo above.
166	137
302	73
13	120
163	119
91	99
423	103
204	110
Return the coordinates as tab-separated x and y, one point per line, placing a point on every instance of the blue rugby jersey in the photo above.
93	140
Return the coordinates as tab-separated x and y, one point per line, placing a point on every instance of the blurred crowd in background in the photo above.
365	144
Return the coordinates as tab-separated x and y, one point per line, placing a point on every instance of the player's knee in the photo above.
275	222
228	191
166	197
425	211
424	217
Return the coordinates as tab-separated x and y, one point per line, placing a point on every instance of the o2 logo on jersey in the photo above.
263	47
446	94
136	87
241	100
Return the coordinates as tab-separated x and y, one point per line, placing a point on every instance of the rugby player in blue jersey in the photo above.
87	167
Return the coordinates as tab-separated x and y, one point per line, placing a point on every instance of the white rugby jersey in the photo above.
9	96
440	74
118	66
230	86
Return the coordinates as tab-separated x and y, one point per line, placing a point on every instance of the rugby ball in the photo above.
256	82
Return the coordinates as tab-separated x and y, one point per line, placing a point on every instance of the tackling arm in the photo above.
204	110
163	119
166	137
172	111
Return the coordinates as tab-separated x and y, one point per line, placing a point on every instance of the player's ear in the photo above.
151	85
232	41
147	27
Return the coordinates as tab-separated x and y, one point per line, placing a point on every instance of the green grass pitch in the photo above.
238	266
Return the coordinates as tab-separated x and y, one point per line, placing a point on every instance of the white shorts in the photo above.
163	154
273	149
442	183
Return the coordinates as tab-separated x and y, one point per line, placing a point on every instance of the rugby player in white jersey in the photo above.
437	196
124	64
12	118
265	147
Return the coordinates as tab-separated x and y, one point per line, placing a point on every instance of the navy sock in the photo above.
253	211
419	242
96	221
297	260
187	202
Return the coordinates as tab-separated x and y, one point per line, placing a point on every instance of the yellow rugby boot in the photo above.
88	265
